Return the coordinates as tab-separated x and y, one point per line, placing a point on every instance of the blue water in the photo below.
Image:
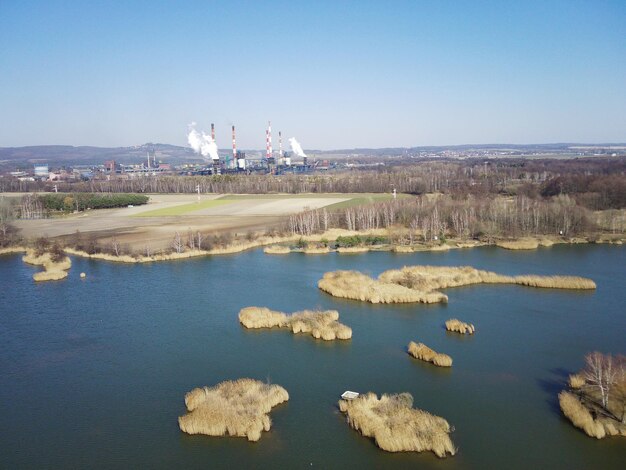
94	371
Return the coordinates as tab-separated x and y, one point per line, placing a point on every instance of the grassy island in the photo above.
424	353
54	262
595	400
396	426
319	324
422	283
458	326
232	408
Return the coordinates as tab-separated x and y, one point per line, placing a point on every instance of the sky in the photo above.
334	74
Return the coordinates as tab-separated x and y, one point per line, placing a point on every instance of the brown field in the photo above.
133	227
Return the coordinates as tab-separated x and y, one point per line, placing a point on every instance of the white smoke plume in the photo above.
296	148
202	143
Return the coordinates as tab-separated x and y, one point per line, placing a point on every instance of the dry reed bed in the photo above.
430	278
576	381
9	250
277	250
357	286
353	249
583	406
520	244
319	324
422	283
458	326
316	250
580	416
396	426
424	353
232	408
53	271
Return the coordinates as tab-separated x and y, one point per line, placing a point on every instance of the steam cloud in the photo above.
296	148
202	143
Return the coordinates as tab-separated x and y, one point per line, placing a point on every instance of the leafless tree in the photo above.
177	243
199	239
115	246
601	373
191	240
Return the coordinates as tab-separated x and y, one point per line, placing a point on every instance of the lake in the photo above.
94	371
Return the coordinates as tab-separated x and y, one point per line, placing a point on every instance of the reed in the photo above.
430	278
316	250
556	282
424	353
352	249
357	286
396	426
277	250
576	381
422	283
319	324
579	415
519	244
53	271
232	408
460	327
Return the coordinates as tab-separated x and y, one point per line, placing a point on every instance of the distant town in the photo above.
67	164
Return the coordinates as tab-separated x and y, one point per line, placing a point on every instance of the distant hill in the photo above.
59	155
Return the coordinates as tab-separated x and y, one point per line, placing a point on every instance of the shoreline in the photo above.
330	235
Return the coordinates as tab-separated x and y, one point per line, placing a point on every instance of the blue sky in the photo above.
334	74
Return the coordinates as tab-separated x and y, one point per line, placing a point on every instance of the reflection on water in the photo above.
95	371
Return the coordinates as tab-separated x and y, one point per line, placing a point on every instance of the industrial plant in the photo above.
271	162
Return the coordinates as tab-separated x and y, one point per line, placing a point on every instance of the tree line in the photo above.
430	218
595	183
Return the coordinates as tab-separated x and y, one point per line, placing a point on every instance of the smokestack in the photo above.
268	141
280	144
235	163
213	132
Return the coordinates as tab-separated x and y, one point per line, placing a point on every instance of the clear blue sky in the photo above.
334	74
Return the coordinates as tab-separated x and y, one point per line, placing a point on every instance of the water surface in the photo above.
94	371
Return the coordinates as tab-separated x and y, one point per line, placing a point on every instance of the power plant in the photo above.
236	162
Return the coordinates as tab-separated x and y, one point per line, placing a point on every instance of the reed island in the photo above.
422	283
232	408
424	353
396	426
319	324
595	399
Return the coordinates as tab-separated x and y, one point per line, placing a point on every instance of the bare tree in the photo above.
191	240
601	373
115	246
199	239
177	243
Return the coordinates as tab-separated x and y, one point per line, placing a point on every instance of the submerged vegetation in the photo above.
319	324
396	426
232	408
424	353
422	283
460	327
596	399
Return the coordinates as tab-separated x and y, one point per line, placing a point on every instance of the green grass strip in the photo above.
183	208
